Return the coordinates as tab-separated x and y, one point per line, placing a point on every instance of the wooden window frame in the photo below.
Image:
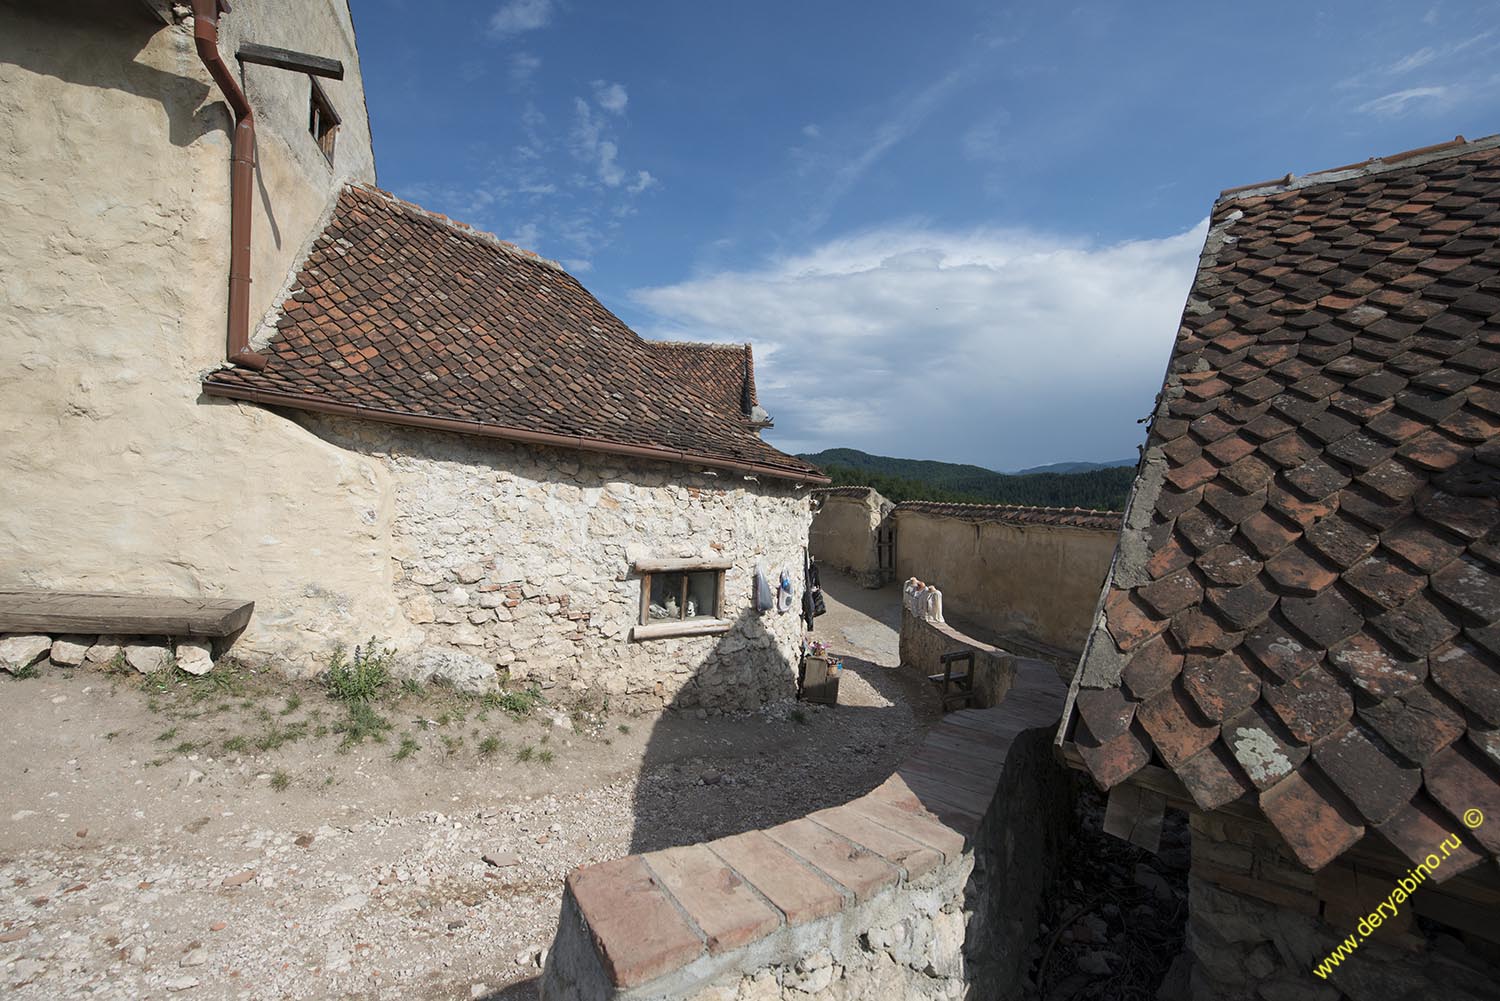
648	628
320	109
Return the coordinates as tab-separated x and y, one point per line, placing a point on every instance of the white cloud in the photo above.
1417	59
610	174
1001	347
643	181
811	131
1400	102
517	16
523	66
611	96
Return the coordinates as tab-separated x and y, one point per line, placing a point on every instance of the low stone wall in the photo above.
32	653
923	643
927	887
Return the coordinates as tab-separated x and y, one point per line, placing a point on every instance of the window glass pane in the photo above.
703	594
666	596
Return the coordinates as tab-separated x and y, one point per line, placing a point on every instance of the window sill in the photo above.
698	627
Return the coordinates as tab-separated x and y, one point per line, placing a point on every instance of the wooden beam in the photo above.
286	59
65	612
680	566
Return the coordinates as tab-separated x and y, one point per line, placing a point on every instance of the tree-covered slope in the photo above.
926	479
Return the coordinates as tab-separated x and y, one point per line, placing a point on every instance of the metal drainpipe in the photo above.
241	178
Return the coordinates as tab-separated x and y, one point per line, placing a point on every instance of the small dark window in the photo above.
681	597
322	121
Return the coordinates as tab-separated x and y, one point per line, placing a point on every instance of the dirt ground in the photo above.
215	839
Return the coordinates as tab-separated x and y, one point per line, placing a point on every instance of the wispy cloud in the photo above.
611	96
523	66
515	17
979	344
1415	60
811	131
1398	103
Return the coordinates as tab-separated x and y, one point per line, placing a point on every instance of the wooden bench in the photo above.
70	612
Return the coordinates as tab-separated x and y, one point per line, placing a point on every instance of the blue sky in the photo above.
955	230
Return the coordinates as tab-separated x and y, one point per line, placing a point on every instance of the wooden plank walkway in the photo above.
73	612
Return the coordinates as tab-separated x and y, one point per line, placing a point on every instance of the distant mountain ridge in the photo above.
1095	485
1073	467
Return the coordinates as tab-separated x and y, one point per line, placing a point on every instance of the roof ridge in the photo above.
1456	146
727	346
462	228
1017	507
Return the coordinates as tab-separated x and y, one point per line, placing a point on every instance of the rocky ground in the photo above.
237	836
1113	928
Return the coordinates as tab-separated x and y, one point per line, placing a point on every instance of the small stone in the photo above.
478	990
147	658
304	841
711	777
501	860
14	935
19	652
182	984
526	956
218	926
240	878
194	957
194	657
69	651
1093	963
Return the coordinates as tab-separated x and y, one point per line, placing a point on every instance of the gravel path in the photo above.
148	849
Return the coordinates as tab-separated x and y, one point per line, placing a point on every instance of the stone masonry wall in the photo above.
923	643
844	533
1259	924
927	887
521	557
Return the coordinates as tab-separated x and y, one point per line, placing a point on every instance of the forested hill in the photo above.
925	479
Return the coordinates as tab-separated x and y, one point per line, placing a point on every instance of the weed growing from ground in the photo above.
545	756
166	735
280	780
518	703
489	747
362	723
361	678
237	744
526	753
411	686
452	744
624	727
409	746
293	703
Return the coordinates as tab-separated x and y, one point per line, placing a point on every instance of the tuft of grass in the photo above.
29	671
545	756
452	744
112	734
490	746
624	727
797	716
363	723
411	686
274	736
238	744
186	747
409	746
526	753
280	780
293	703
517	703
362	678
166	735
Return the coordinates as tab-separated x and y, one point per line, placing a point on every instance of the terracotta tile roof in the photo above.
400	314
1019	514
1304	611
723	370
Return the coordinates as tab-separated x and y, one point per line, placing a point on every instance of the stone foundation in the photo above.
1260	925
33	653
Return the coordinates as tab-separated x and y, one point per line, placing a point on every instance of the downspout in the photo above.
241	178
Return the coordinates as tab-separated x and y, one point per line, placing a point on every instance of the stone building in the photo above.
1299	639
420	434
